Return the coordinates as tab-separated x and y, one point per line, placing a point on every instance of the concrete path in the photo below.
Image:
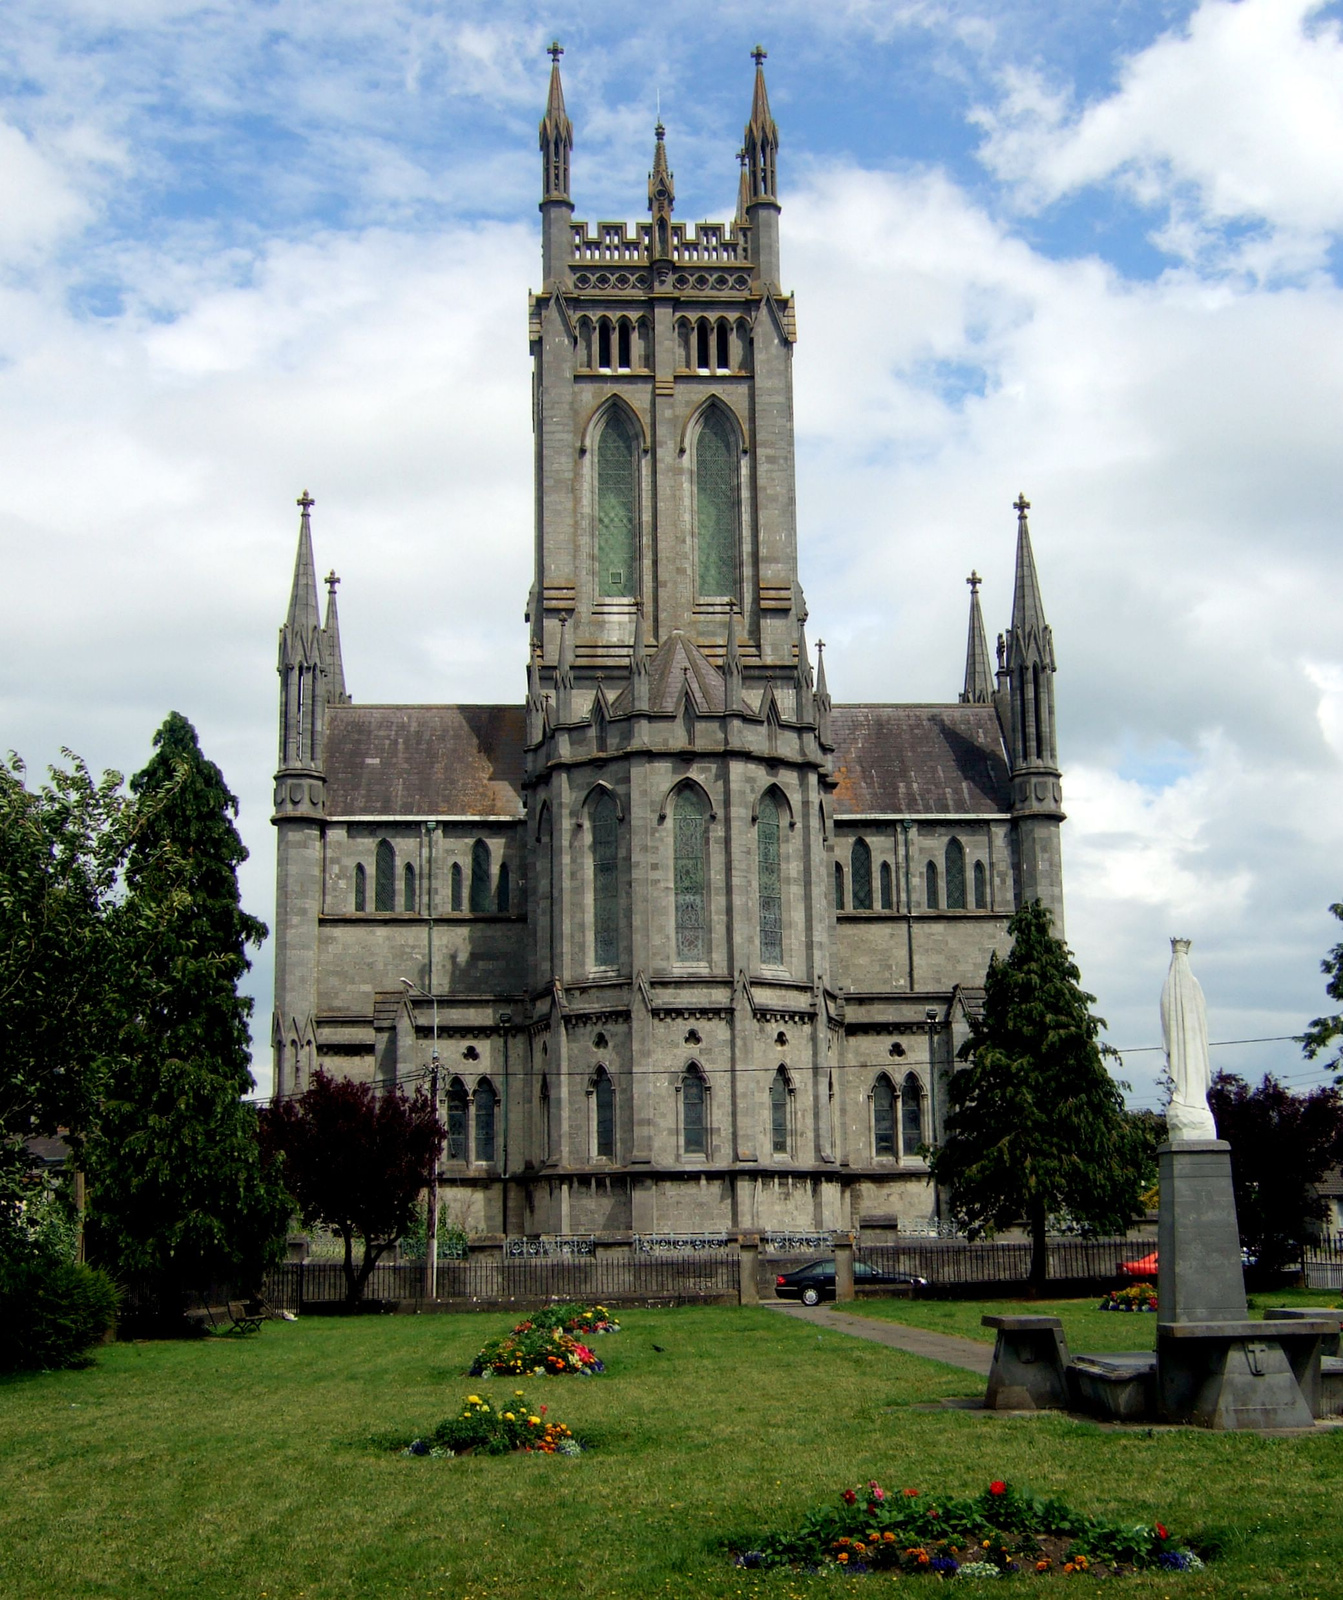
947	1347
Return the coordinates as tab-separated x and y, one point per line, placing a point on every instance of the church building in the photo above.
697	945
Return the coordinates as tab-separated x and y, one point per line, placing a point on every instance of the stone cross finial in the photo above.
974	580
306	501
555	50
1021	505
331	580
759	55
820	646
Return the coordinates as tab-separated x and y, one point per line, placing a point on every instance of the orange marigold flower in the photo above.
888	1537
842	1556
1042	1565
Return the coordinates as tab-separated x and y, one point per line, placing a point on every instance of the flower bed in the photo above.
536	1352
571	1318
1002	1532
1138	1297
491	1431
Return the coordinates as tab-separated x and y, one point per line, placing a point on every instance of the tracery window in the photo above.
955	876
384	877
605	883
911	1116
694	1123
457	1109
771	890
887	887
716	506
604	1115
617	505
690	818
981	887
480	877
408	888
485	1104
930	886
860	876
883	1116
778	1113
360	888
455	887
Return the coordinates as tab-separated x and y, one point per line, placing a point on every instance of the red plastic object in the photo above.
1145	1268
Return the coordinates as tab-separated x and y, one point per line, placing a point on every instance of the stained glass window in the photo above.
360	888
955	876
456	1120
716	504
455	887
860	876
545	1118
605	883
693	1128
930	882
485	1103
690	817
778	1113
911	1116
839	887
384	877
883	1116
503	899
604	1095
617	500
771	897
887	887
981	887
480	877
408	890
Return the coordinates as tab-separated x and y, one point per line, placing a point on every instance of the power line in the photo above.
1214	1044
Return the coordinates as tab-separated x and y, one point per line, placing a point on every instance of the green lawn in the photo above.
1087	1329
251	1468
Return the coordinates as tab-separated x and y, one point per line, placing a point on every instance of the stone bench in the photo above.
1030	1362
1118	1386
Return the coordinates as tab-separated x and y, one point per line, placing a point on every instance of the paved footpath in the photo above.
947	1347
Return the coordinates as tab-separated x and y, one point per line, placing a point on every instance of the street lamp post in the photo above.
431	1221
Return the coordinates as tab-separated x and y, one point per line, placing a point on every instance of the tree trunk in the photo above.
354	1282
1039	1251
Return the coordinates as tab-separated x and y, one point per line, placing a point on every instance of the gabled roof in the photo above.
919	760
425	761
677	661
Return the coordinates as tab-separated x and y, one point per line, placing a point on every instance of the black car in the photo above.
816	1281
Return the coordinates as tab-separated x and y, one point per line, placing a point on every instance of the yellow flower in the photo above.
508	1416
535	1421
517	1394
473	1399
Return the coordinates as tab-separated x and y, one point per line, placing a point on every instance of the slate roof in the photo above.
677	661
424	761
919	760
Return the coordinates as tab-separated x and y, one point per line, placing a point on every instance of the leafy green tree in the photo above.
1282	1144
1324	1030
1036	1125
177	1194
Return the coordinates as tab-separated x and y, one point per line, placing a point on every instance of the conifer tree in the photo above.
177	1193
1036	1126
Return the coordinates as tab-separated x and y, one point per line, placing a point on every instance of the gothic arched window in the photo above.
771	889
723	360
778	1113
384	877
690	818
480	877
955	876
457	1108
604	1115
883	1116
360	888
605	883
981	887
408	888
485	1104
694	1121
455	887
617	505
887	887
504	897
839	887
930	886
545	1117
860	876
716	506
911	1116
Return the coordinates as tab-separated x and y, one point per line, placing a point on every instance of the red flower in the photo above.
849	1497
997	1487
1161	1531
911	1494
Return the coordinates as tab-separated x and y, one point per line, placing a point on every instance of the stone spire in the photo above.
1030	638
661	198
822	699
978	690
302	661
557	212
336	694
303	616
761	144
564	675
743	190
536	705
806	694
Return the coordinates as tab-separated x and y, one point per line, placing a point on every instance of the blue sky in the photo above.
1089	250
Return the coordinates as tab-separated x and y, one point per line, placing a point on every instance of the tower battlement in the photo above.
707	243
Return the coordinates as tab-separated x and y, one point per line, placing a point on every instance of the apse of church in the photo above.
700	945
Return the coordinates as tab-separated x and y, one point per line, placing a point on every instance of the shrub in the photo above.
51	1312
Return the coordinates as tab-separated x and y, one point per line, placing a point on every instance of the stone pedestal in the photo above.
1030	1362
1199	1276
843	1266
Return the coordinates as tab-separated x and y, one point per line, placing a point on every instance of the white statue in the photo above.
1184	1027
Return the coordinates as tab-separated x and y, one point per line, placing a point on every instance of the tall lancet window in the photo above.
690	817
384	877
860	875
716	506
617	505
771	896
605	883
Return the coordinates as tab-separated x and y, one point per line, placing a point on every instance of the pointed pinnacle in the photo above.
303	615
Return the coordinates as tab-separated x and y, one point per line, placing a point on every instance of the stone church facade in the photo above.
697	944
